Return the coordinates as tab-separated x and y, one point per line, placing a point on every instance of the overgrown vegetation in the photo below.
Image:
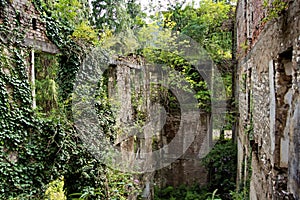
185	193
55	190
46	66
221	164
39	147
210	25
274	9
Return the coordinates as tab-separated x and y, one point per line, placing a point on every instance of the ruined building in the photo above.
23	20
21	16
159	137
131	83
268	98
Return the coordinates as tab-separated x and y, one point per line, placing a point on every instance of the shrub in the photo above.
221	163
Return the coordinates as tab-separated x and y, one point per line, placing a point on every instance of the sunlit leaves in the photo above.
85	33
204	25
68	11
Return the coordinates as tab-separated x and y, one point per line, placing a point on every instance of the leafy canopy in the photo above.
209	25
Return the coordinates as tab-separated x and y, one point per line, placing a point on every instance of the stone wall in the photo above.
186	170
128	90
23	17
268	100
148	129
23	20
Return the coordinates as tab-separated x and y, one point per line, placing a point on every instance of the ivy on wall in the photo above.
35	149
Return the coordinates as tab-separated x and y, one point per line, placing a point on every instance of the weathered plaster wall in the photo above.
268	98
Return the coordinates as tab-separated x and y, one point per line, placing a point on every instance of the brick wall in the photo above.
25	18
168	133
186	170
268	98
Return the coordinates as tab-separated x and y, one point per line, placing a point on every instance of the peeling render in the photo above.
270	67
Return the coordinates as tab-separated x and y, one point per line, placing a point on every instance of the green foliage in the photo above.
211	26
24	160
240	195
116	15
243	83
161	47
83	33
55	190
227	81
244	46
221	165
71	54
36	149
117	186
184	193
206	25
46	67
105	113
122	185
72	15
214	196
69	12
274	9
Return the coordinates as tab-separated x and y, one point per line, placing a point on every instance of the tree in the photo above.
116	15
206	25
211	25
73	14
69	12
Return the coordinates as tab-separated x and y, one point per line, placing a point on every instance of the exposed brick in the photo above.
27	12
268	96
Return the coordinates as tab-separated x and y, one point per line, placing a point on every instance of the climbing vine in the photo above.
20	154
36	149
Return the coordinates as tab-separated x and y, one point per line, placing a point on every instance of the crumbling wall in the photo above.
23	17
133	89
268	98
186	170
22	20
128	90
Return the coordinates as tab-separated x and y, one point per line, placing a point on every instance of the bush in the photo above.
221	163
182	192
55	190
